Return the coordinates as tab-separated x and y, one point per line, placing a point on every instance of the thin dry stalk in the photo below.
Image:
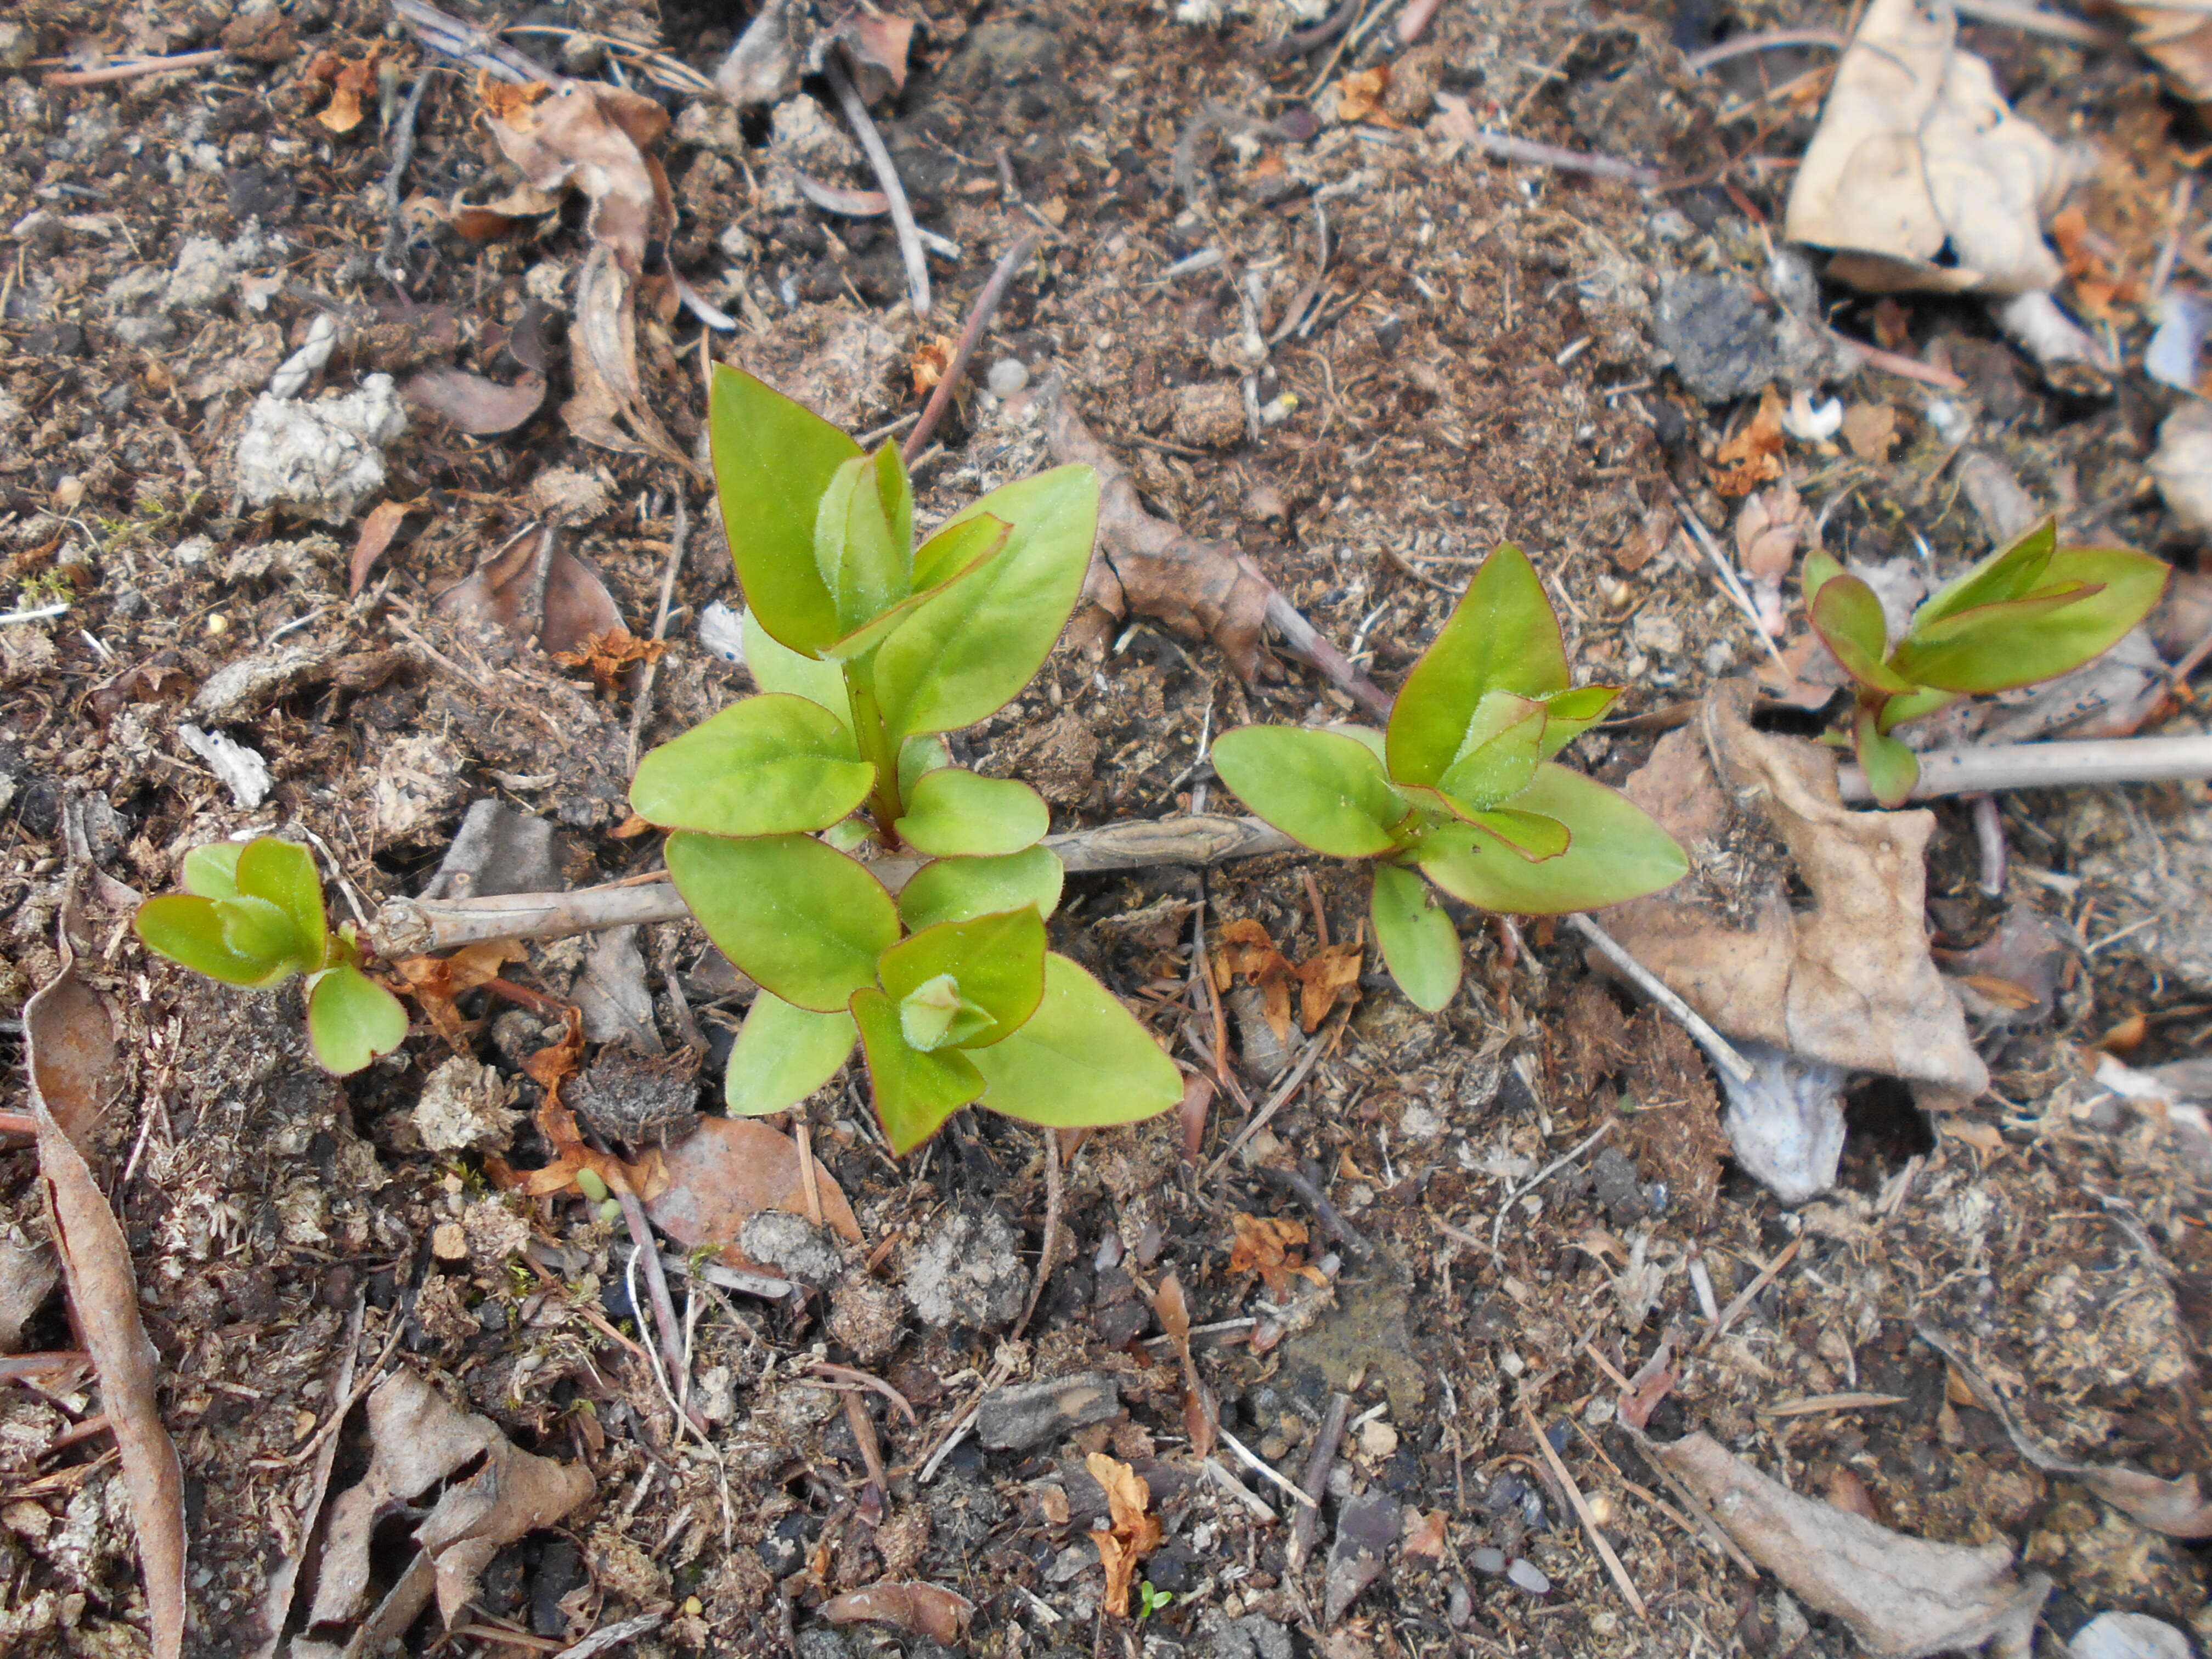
1582	1509
871	141
979	317
138	67
641	709
1306	1523
1052	1203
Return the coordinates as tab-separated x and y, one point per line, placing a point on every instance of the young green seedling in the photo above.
867	649
2031	610
1463	788
252	915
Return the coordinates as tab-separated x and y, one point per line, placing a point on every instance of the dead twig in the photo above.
1289	1086
1770	40
395	225
2047	766
1305	1185
1533	154
979	316
871	141
656	1281
1722	1051
641	709
132	69
1306	1523
859	1379
1505	1207
1581	1505
1052	1202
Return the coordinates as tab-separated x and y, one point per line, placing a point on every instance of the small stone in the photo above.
465	1105
1523	1572
1484	1558
449	1242
866	1318
968	1272
1029	1414
496	1233
1378	1439
793	1245
1007	376
1210	415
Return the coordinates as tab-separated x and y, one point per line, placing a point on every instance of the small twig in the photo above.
1414	22
403	152
136	67
1722	1051
871	141
1529	151
863	1435
641	709
2036	21
979	316
1319	1461
2091	761
1299	42
1243	1494
1989	838
1303	639
1772	40
1743	1298
18	1123
1251	1461
861	1379
1505	1205
1731	584
1581	1505
803	1137
730	1278
656	1281
1309	1193
1052	1201
1897	363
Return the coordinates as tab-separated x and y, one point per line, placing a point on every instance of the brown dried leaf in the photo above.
1900	1595
1262	1245
1324	978
603	360
1871	431
1201	1416
877	43
727	1169
435	982
160	676
612	655
927	1610
474	403
562	606
1359	97
929	363
1754	454
1424	1535
1849	980
348	83
377	529
1134	1533
1654	1381
71	1039
591	136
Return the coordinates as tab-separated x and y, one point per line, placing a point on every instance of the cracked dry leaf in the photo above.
1903	1597
1133	1533
435	983
550	1068
1753	454
1328	975
1262	1245
611	654
725	1172
927	1610
1847	981
1920	176
2178	39
562	606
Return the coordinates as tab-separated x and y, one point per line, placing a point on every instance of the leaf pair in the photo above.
969	1006
1462	788
252	915
2029	612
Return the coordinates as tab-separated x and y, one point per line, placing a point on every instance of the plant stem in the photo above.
877	749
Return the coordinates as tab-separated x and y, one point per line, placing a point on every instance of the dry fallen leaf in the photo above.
1134	1534
1870	429
1201	1418
348	83
71	1036
923	1609
1901	1597
471	402
612	655
377	529
2178	39
552	1067
1918	159
561	606
877	43
1359	97
1848	980
1322	978
727	1169
1753	454
929	363
1262	1245
435	982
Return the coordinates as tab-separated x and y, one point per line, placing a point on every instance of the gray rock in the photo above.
969	1272
821	1642
1251	1636
1030	1413
323	458
1727	343
1612	1178
790	1244
1366	1528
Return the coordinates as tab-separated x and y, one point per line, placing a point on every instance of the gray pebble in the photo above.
1489	1560
1007	376
1523	1572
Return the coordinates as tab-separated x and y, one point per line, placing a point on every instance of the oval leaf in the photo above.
257	931
975	538
1418	942
1502	636
953	813
917	755
783	1053
972	648
773	765
959	547
996	963
1499	756
186	929
773	463
1322	788
1848	618
1892	769
955	889
1568	714
775	666
2028	640
805	920
1533	835
283	872
2014	571
1616	853
1080	1061
914	1092
211	871
866	570
351	1019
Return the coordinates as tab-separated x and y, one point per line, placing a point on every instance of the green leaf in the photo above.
351	1019
2028	639
189	931
1571	713
1081	1062
776	667
1891	767
1502	636
866	571
934	1015
802	919
211	871
917	755
1499	753
956	546
1419	943
771	765
773	463
975	540
914	1092
894	495
1533	835
995	963
284	873
1913	706
2012	572
1616	853
1848	618
782	1054
1819	570
950	812
955	889
1324	788
982	636
255	930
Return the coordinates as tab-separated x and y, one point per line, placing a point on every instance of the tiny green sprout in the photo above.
1463	789
2029	612
252	915
866	649
1151	1601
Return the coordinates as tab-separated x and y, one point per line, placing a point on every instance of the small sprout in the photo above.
589	1183
2031	610
867	649
1151	1601
252	915
1463	789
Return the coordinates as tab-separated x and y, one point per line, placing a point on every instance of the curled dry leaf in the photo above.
2178	39
377	529
552	1067
71	1039
435	983
877	43
1263	1245
1322	978
1768	532
1901	1597
534	585
1847	981
1201	1418
728	1169
927	1610
348	83
474	403
1133	1533
1753	454
1654	1381
612	655
1918	157
1359	96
